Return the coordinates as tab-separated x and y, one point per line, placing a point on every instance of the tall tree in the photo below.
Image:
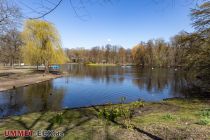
9	16
10	46
42	44
149	53
138	54
199	51
122	55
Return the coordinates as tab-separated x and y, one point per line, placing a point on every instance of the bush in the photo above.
121	111
110	115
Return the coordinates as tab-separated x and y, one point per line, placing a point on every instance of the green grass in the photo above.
168	117
204	121
204	117
172	119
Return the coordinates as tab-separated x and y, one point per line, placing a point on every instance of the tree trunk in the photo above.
19	63
12	62
37	66
46	67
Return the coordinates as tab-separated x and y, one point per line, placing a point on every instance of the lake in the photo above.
94	85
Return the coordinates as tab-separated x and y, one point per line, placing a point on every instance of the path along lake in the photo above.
94	85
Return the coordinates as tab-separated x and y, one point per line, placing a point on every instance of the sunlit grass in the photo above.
99	121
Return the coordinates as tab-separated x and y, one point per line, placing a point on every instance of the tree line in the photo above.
100	54
184	49
39	43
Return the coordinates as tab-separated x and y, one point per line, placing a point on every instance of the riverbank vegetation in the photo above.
170	119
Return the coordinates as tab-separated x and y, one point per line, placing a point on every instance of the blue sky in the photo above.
121	22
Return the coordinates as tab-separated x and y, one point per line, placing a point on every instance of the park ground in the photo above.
22	76
170	119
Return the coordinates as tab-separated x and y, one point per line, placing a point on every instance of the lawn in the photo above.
170	119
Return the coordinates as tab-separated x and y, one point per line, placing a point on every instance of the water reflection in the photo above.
100	74
38	97
153	80
89	85
158	80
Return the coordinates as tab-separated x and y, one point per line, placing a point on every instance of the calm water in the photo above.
86	86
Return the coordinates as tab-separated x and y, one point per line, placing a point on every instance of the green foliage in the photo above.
110	114
121	111
41	44
114	113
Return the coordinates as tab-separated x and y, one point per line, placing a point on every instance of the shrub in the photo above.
122	111
112	113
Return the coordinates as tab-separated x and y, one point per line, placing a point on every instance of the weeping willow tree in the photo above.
42	44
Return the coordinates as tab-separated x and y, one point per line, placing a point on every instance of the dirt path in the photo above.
13	78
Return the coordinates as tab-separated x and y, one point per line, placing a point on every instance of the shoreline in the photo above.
15	79
180	118
100	64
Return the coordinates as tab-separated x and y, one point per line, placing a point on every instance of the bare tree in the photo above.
10	47
201	18
9	15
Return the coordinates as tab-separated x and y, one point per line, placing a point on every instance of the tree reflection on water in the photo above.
90	85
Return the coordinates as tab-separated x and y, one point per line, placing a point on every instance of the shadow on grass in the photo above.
134	127
86	116
71	120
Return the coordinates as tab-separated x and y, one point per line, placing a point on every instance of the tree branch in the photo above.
51	10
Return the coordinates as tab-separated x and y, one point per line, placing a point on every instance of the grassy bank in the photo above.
172	119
